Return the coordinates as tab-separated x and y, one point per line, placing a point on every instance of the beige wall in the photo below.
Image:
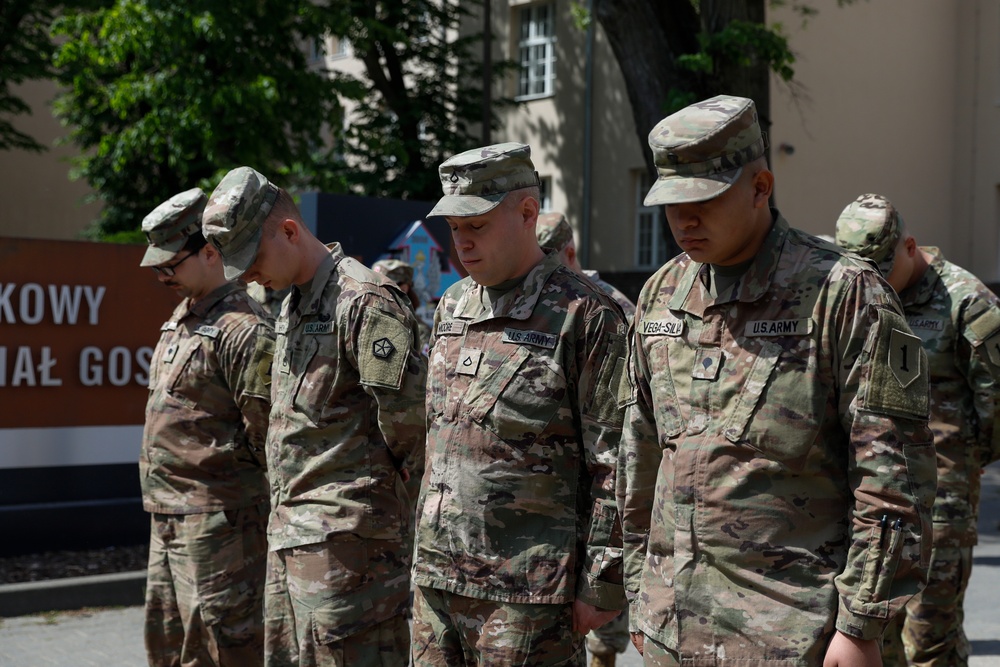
898	97
39	199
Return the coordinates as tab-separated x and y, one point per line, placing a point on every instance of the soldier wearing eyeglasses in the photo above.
202	465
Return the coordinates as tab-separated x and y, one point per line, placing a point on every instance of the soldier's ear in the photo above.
763	186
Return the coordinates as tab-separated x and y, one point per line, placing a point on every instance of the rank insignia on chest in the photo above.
707	364
170	353
315	328
468	361
383	348
281	327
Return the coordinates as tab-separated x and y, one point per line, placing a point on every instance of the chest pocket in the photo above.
666	409
517	395
781	402
314	360
186	370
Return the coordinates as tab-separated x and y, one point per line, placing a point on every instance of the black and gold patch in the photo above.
259	371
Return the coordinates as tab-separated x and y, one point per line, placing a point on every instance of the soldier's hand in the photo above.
587	617
847	651
638	639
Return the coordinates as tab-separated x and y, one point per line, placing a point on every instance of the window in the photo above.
544	194
339	47
537	52
651	246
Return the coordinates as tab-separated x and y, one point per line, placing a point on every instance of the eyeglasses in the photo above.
170	270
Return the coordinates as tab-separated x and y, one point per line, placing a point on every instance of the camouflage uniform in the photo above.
401	273
776	469
202	469
958	319
517	517
269	298
347	418
554	232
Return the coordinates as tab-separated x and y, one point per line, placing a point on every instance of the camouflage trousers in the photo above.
205	587
929	632
338	603
612	637
655	654
452	630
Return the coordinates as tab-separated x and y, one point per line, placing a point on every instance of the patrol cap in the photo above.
553	231
700	151
476	181
234	217
871	227
171	224
395	270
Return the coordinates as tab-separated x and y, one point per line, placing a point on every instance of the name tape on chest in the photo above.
169	326
317	328
779	328
451	328
668	327
536	338
927	323
208	331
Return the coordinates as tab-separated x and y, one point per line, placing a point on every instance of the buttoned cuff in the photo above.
858	626
601	594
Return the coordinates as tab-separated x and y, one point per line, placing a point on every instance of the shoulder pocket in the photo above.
604	404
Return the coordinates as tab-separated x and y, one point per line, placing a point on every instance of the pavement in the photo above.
103	636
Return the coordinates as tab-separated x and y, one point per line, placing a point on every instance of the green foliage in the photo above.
742	44
582	16
419	95
25	52
162	96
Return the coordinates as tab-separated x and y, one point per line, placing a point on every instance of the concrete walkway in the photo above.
112	637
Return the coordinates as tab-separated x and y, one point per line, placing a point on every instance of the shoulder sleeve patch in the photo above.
983	326
259	371
897	383
383	348
605	406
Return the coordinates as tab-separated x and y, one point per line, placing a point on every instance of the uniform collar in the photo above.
518	303
923	291
310	295
692	292
204	306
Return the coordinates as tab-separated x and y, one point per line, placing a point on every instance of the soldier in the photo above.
518	551
401	273
958	319
202	463
776	470
554	233
345	446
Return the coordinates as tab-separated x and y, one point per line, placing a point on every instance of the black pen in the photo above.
881	535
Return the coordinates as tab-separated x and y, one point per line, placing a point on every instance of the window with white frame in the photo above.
544	194
339	47
651	247
537	51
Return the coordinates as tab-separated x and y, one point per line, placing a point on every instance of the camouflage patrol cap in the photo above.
871	227
395	270
234	217
553	231
699	152
171	224
476	181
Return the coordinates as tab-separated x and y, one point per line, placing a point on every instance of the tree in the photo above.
675	52
419	95
25	55
163	96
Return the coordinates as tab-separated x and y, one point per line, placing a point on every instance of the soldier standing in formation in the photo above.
202	463
958	319
776	470
401	273
518	546
345	444
554	233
